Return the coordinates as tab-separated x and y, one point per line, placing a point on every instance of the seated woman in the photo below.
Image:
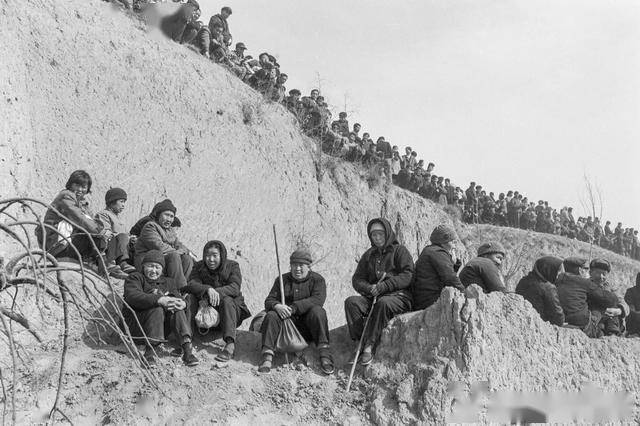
304	295
158	234
69	202
217	280
155	305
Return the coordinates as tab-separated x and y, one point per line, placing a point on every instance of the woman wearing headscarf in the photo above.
538	287
217	280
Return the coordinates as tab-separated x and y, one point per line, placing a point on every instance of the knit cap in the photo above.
115	194
153	256
442	234
164	206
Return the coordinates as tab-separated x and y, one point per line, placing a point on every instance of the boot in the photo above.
189	359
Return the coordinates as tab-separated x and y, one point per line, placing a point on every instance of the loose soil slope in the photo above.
87	87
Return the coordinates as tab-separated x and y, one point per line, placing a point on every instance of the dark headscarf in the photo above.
547	268
390	235
221	248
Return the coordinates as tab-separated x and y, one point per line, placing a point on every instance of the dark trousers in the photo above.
158	323
178	267
356	309
230	316
84	245
118	248
313	325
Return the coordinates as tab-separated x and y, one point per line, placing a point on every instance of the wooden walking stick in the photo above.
364	330
275	240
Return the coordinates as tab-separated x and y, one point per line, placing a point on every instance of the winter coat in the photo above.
485	273
110	222
632	297
385	148
218	19
301	296
142	294
577	293
68	205
434	271
155	237
393	258
226	279
537	287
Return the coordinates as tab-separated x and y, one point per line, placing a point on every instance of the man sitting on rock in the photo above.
216	280
305	292
436	268
484	270
577	294
154	302
159	234
612	322
383	276
538	287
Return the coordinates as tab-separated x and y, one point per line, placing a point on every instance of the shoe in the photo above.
265	366
365	358
117	273
189	359
326	365
150	357
126	268
177	352
227	352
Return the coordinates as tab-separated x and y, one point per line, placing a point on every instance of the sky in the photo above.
515	95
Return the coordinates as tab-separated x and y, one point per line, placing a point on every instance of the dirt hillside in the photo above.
84	86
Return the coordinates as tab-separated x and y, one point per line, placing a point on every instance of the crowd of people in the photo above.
168	289
339	139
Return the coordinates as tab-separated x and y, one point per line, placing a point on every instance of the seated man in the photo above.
383	275
117	253
577	294
159	234
436	268
154	303
217	280
538	287
305	292
612	322
484	270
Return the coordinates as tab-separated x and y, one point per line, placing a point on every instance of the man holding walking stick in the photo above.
383	274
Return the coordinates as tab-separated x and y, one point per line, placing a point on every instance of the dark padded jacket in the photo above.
299	295
577	293
142	294
434	271
485	273
226	279
394	259
537	287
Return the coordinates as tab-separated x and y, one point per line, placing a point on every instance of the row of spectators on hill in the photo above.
405	169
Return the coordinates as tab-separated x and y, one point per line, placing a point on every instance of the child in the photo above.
117	251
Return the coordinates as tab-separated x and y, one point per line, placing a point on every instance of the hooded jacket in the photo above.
538	288
393	258
434	271
577	293
485	273
226	279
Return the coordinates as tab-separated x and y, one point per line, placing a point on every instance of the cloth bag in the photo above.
289	339
207	317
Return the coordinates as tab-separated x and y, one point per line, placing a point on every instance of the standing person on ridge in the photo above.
386	256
